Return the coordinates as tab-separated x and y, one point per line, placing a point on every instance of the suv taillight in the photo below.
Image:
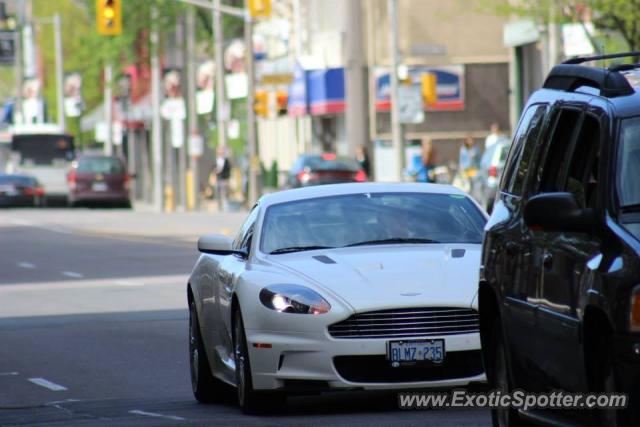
360	176
71	179
493	171
127	180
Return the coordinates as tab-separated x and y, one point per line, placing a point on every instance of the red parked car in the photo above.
327	168
98	179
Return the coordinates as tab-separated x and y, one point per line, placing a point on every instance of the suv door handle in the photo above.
511	248
547	261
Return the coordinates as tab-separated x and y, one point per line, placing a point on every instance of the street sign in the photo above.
410	105
177	132
196	145
7	47
173	108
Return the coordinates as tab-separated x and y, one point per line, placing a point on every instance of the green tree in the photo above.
620	17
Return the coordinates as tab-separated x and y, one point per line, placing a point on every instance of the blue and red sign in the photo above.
317	92
449	87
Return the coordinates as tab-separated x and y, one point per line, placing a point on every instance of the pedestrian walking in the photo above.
222	170
469	155
494	136
428	157
362	156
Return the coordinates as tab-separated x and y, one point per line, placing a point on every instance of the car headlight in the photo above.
293	299
634	315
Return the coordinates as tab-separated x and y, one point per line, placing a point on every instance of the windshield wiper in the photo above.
298	249
393	240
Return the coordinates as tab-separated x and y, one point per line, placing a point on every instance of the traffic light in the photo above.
260	8
429	93
109	17
261	104
282	100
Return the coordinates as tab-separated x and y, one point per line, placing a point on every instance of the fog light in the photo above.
636	349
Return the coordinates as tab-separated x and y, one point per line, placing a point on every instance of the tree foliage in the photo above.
87	52
611	16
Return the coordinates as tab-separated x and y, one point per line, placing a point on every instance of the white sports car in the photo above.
349	286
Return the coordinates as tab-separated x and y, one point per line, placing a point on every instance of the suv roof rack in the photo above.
569	77
583	59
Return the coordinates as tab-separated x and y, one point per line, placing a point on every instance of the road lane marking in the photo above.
59	402
73	274
128	283
6	374
149	281
26	265
19	221
47	384
153	414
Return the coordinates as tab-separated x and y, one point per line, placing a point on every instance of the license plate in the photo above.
411	352
99	186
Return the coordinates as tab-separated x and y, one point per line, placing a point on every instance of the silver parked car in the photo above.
485	182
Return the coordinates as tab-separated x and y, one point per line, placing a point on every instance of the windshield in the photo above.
104	165
376	218
629	163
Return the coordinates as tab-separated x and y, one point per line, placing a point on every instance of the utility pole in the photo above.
182	156
254	163
356	94
156	124
59	70
19	61
191	104
396	126
108	109
219	59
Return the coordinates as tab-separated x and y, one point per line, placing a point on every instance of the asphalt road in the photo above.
93	331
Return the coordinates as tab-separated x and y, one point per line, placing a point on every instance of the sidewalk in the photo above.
140	222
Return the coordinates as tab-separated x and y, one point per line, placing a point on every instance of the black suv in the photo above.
559	293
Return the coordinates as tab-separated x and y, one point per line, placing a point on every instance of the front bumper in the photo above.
317	359
94	196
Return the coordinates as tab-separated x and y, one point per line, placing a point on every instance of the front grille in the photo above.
407	322
377	369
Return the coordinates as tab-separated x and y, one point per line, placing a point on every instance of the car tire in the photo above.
206	388
249	400
607	385
499	379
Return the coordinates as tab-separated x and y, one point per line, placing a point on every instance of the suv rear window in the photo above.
103	165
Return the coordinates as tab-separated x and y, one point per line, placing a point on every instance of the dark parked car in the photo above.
98	179
485	182
20	190
559	293
325	169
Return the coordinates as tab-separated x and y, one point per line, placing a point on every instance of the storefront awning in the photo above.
316	92
326	91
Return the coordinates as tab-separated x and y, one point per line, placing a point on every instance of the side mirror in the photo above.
558	212
218	244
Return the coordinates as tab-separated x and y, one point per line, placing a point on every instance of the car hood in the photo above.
376	278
